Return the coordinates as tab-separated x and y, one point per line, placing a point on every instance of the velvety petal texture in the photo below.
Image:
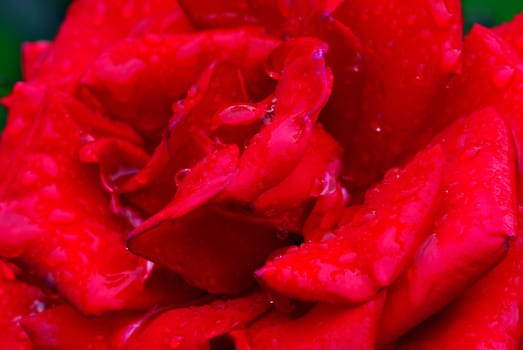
264	174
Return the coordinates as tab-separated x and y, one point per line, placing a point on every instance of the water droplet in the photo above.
502	76
29	178
49	166
242	114
363	217
193	91
356	68
451	60
377	124
318	54
269	112
180	175
50	192
271	70
347	258
392	175
420	73
323	246
440	14
324	185
470	153
61	216
38	306
327	236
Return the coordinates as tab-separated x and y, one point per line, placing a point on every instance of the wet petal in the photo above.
138	80
211	249
314	176
473	320
303	89
472	228
325	326
370	251
221	13
92	25
492	76
63	327
188	137
54	213
194	327
411	49
19	299
33	53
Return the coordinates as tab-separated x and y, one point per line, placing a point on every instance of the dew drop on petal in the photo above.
323	186
327	236
176	341
180	175
347	258
501	76
62	216
420	73
271	71
451	59
440	14
470	153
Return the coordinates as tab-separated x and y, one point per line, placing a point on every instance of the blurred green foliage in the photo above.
29	20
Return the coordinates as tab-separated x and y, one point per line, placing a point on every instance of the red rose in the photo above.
263	174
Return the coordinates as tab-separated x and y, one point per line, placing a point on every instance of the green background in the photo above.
29	20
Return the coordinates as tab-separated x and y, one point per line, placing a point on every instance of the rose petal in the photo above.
219	13
92	25
194	327
473	226
54	214
345	57
325	215
210	249
370	251
188	137
165	288
272	154
473	320
511	32
138	80
183	237
492	76
117	159
18	299
314	176
63	327
33	54
292	18
411	48
323	327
